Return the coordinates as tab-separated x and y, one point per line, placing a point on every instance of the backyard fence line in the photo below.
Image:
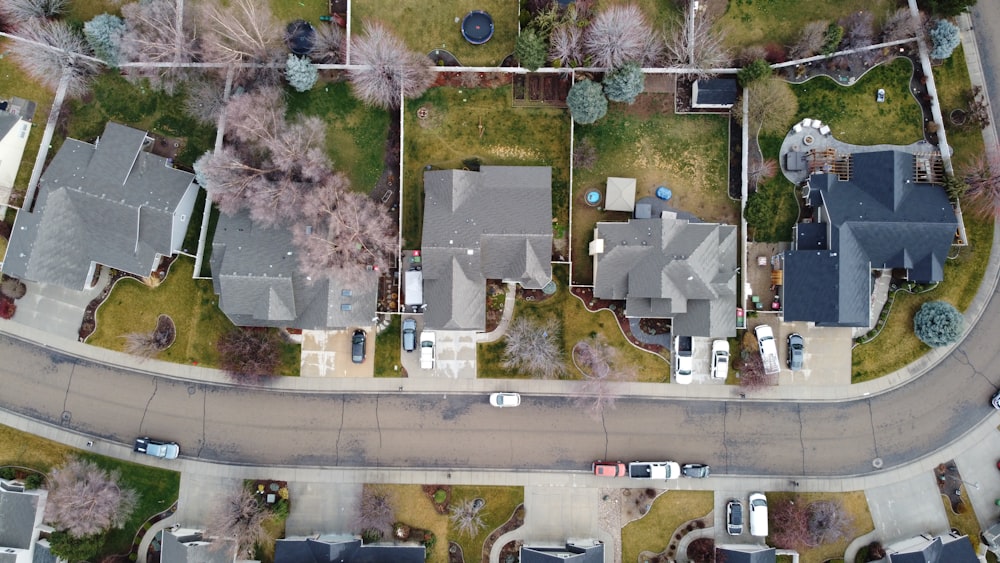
843	53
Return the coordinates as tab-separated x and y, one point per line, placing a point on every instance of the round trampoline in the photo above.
477	27
593	197
300	37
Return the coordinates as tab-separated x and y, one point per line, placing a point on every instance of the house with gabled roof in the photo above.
340	548
21	513
745	553
946	548
668	267
110	203
494	223
255	272
189	545
573	551
882	215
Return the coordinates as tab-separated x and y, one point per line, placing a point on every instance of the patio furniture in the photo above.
797	128
762	260
824	130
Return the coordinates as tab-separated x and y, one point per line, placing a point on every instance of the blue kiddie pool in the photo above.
593	197
664	193
477	27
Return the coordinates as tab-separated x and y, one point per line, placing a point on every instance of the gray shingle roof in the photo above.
112	204
669	267
17	519
878	219
323	550
746	554
941	549
194	548
492	224
716	92
255	272
571	553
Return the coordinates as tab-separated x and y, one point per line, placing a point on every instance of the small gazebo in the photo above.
620	194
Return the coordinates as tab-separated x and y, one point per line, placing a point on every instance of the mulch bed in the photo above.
439	507
586	294
472	79
455	554
515	521
949	482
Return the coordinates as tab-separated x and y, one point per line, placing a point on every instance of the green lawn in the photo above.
577	324
749	22
426	27
387	343
116	99
450	135
133	307
952	80
854	503
14	82
78	13
355	133
289	10
962	277
648	142
852	112
500	505
652	532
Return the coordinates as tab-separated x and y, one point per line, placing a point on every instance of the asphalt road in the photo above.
271	427
986	23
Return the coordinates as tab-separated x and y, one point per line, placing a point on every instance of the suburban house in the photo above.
586	551
15	126
187	545
744	553
494	223
668	267
109	203
881	214
21	514
947	548
255	272
339	548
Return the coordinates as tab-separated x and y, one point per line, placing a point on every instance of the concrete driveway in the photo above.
454	352
828	352
55	309
327	353
907	508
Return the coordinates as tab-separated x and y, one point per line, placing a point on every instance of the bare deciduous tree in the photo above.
789	523
900	25
152	36
85	500
761	170
565	45
829	522
328	44
386	68
149	344
23	12
244	31
66	56
534	347
600	366
810	40
343	233
700	47
859	33
750	54
752	376
466	517
620	34
375	511
772	106
205	100
241	516
248	354
982	175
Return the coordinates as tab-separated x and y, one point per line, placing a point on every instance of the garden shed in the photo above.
620	194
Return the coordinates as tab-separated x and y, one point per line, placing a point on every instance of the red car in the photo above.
609	468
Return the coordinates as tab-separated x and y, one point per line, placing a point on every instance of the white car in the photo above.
502	400
720	359
758	515
427	340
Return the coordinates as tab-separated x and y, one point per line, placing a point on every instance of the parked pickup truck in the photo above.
768	349
156	448
654	470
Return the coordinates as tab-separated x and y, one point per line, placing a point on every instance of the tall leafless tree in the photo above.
152	36
385	69
54	52
789	523
328	44
534	347
466	517
26	12
982	176
699	47
85	500
241	516
343	233
772	106
245	31
566	45
829	522
375	511
752	376
761	170
248	354
810	40
900	25
620	34
859	33
205	100
600	366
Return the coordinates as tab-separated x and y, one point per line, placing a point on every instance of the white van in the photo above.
758	515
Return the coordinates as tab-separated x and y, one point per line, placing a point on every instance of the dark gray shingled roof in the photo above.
492	224
715	92
194	548
255	272
109	203
669	267
572	553
942	549
342	550
878	219
746	554
17	519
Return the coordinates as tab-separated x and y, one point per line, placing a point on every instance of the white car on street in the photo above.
502	400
